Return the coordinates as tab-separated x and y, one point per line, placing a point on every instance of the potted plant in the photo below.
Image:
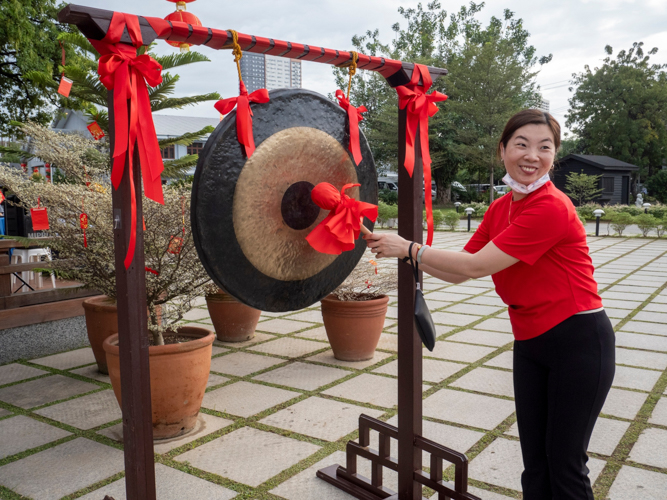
354	313
174	280
233	321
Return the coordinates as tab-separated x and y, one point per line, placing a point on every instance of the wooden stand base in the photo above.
348	480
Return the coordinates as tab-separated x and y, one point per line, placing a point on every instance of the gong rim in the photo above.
218	170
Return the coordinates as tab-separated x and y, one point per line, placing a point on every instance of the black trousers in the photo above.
561	380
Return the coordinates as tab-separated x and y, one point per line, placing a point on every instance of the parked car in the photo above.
387	184
502	189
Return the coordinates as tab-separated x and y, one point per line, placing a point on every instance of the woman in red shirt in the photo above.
533	245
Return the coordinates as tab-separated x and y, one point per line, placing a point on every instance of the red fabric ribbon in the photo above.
83	222
354	117
127	74
339	230
420	107
243	114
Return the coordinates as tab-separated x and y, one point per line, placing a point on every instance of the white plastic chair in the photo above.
25	255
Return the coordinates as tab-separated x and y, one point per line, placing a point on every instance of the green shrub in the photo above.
452	219
480	209
438	218
620	221
583	221
661	227
393	211
384	212
657	186
388	196
646	223
659	211
629	209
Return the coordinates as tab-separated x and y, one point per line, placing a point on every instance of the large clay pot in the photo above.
233	321
101	323
179	374
354	327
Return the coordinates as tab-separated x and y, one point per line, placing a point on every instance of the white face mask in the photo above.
522	188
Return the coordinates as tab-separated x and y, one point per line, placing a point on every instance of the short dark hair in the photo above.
528	117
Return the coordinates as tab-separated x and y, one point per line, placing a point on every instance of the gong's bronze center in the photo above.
297	208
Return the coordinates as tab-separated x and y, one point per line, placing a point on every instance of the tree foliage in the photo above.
657	186
619	109
28	42
490	78
582	187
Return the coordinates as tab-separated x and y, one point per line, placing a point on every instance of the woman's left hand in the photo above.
387	245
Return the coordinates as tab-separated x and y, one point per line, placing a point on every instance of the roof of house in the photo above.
602	162
174	125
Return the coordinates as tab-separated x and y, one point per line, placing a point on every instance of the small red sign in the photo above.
40	219
65	86
95	131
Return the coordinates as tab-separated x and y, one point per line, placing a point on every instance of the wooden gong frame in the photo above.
137	421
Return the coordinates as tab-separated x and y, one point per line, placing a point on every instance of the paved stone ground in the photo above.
280	407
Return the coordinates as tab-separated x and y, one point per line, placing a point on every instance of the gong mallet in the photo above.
338	231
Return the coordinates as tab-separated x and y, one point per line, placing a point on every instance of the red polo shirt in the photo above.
554	276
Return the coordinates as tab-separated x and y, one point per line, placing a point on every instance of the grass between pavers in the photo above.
327	448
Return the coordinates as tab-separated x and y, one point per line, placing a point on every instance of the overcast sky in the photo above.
574	31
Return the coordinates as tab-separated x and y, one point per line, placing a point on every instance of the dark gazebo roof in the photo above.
602	162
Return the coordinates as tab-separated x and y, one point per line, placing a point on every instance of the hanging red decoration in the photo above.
40	218
83	222
24	166
181	15
339	230
420	106
2	196
65	83
95	131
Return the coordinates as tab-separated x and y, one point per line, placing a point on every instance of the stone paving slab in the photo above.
621	304
91	371
44	390
85	412
282	326
320	418
635	378
447	318
388	342
15	372
653	317
496	325
486	301
67	360
247	455
259	337
433	370
495	339
606	435
474	309
367	388
290	347
503	360
318	333
642	359
483	412
487	495
214	379
637	297
63	469
4	413
655	307
448	296
170	484
641	341
312	315
206	424
22	433
650	448
243	363
659	415
303	376
632	483
623	404
245	399
643	327
328	358
453	351
215	350
487	380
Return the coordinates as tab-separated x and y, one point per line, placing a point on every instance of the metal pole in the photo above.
133	337
597	226
409	343
469	217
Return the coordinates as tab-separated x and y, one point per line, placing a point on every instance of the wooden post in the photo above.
133	336
409	344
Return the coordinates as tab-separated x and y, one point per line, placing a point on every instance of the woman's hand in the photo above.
387	245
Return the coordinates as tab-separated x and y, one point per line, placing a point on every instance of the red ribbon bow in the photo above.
243	114
354	117
420	107
127	74
339	230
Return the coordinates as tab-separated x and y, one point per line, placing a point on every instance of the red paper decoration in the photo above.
40	218
2	196
65	83
95	131
181	15
24	166
175	245
83	222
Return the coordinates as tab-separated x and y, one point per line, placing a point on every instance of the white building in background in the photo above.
543	104
261	71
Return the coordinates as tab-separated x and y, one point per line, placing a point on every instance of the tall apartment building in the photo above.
261	71
543	104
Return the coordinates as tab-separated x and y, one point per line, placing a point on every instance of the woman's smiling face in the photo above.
530	153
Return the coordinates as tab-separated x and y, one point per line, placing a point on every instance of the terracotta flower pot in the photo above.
354	327
233	321
101	322
179	373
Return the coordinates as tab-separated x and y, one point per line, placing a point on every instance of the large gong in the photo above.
251	216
